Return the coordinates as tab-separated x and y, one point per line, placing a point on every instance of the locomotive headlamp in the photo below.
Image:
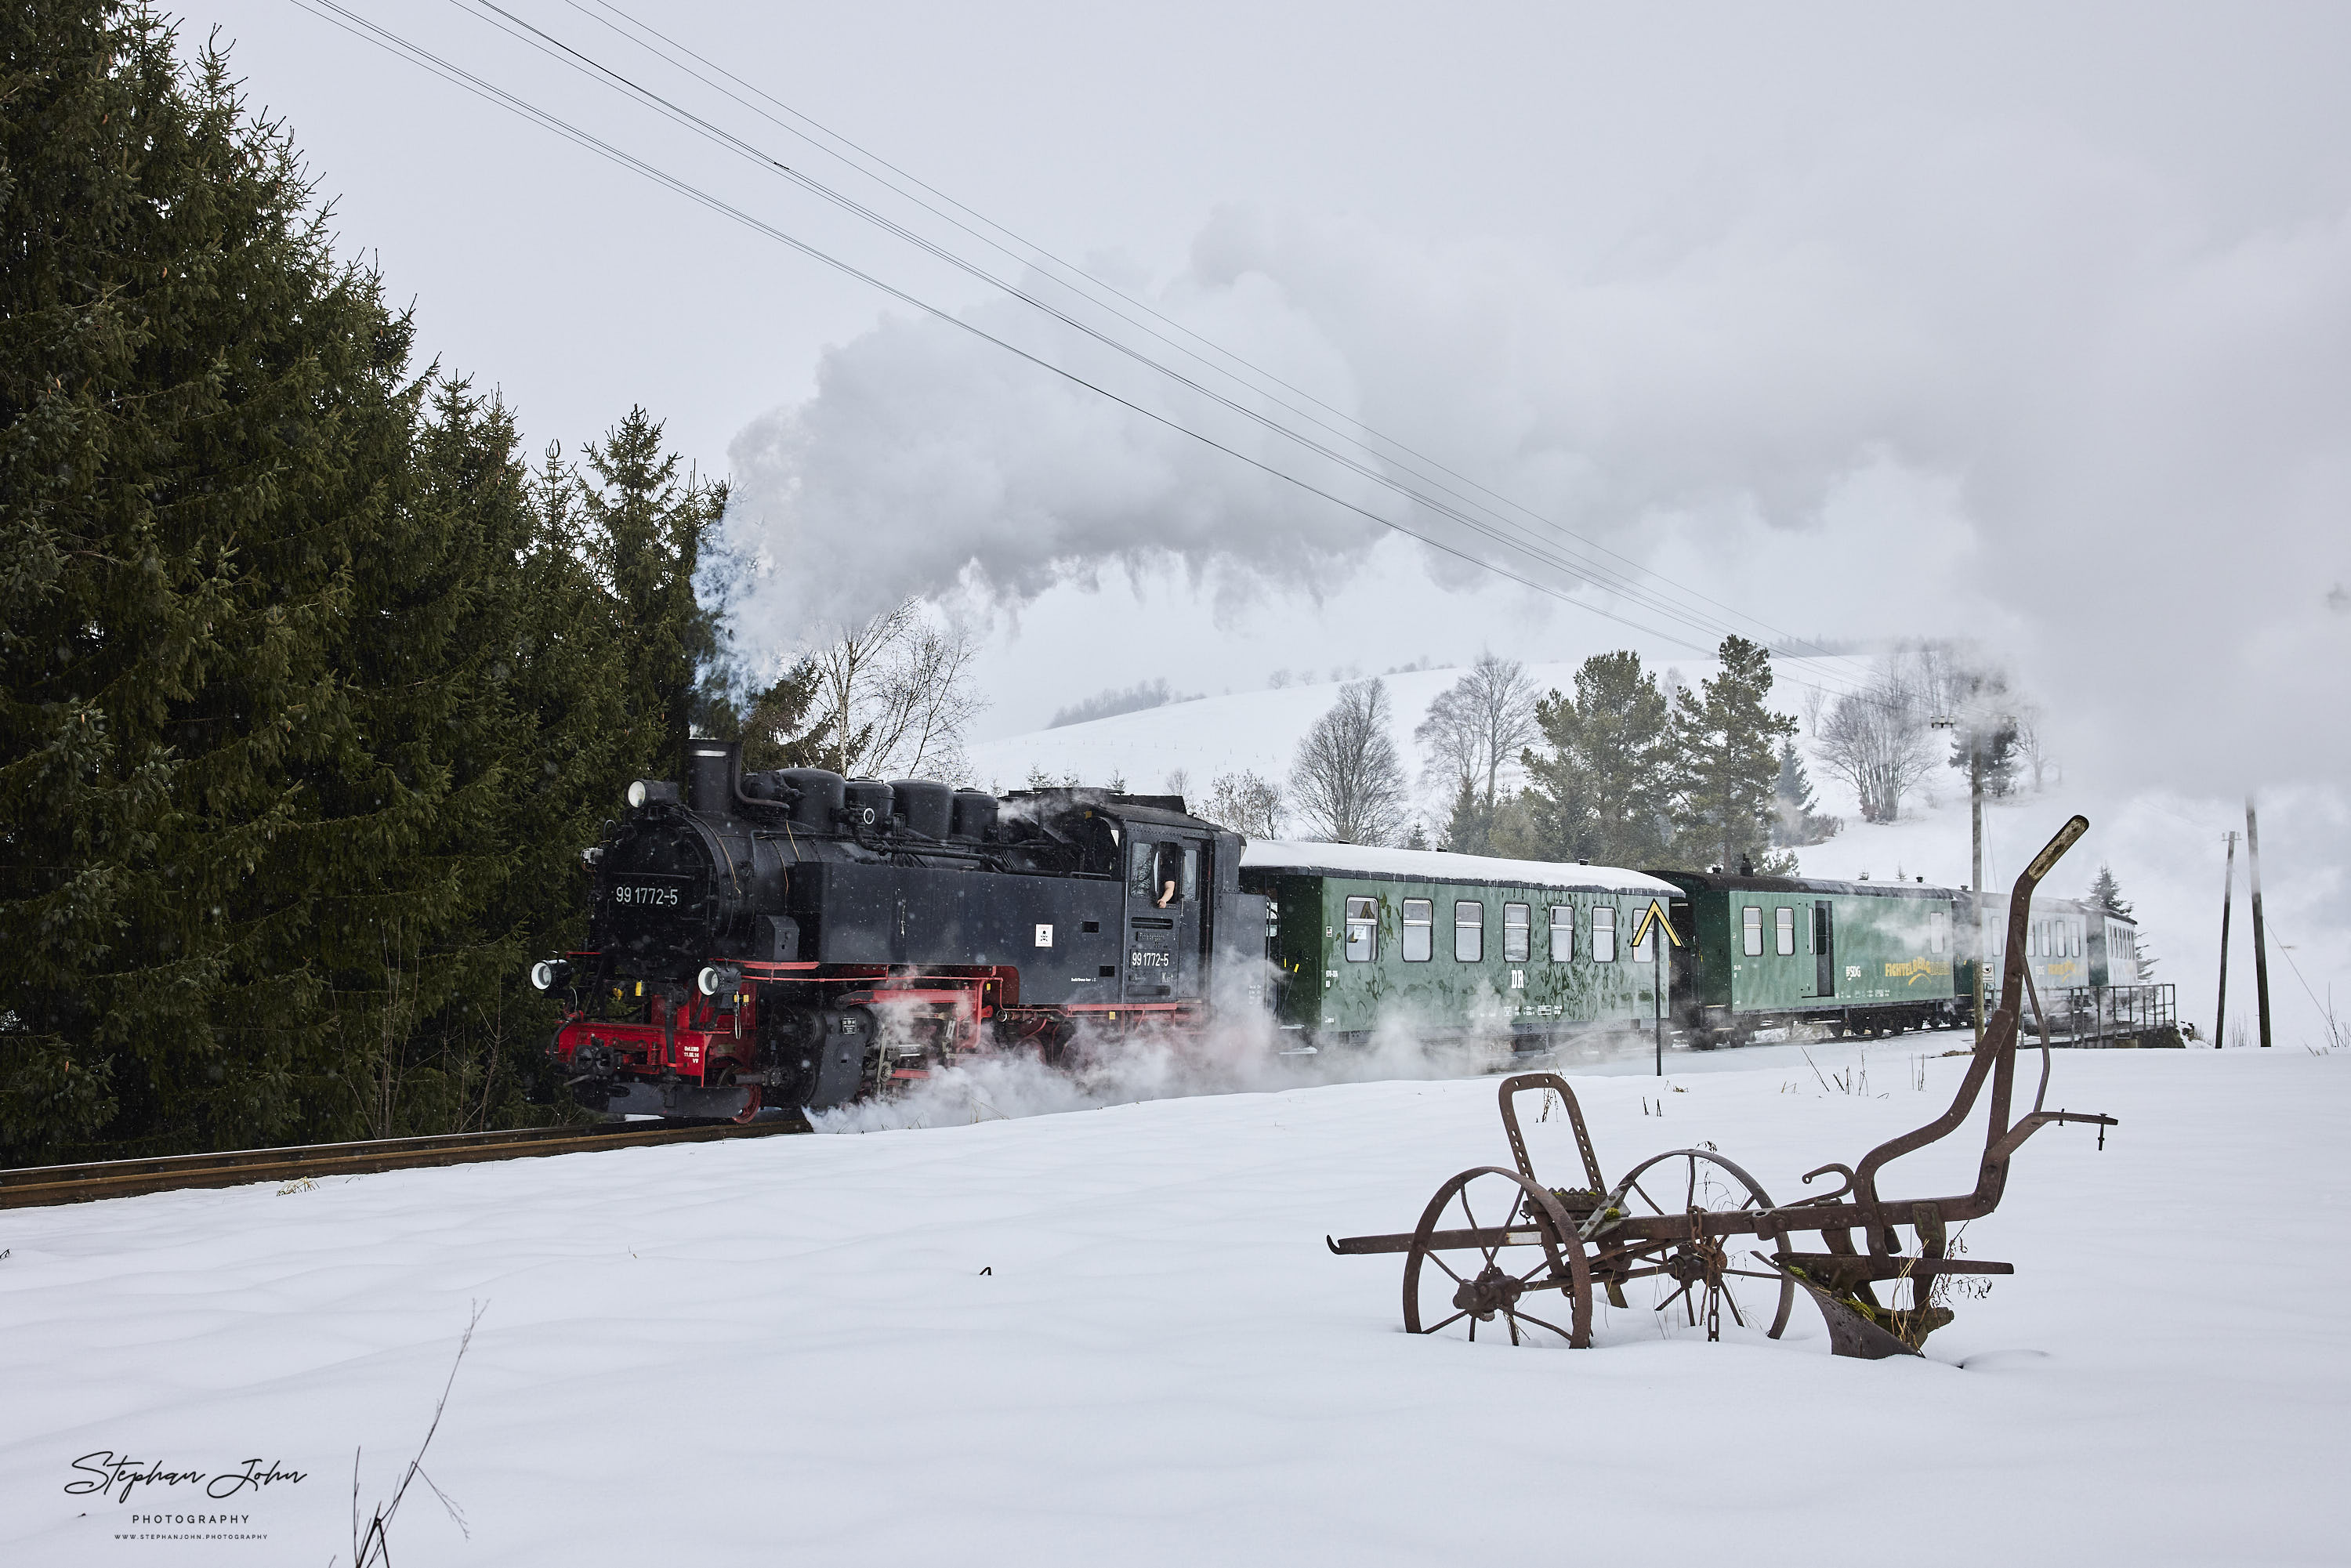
549	973
718	977
637	792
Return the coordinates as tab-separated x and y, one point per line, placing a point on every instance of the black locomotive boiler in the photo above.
798	939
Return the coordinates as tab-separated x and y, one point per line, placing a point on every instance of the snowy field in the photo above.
1114	1336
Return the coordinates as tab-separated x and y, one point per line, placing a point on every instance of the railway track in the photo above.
34	1186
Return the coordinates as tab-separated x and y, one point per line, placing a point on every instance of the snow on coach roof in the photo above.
1435	865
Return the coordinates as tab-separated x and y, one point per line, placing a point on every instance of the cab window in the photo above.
1162	875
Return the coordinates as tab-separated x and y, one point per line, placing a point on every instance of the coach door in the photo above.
1164	925
1823	950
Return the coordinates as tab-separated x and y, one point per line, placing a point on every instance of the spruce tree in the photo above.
1599	790
496	670
1724	739
2107	894
652	529
307	697
1795	820
202	421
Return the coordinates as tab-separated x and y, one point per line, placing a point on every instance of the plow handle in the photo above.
1995	1058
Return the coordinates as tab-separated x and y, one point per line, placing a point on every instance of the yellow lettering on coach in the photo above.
1912	971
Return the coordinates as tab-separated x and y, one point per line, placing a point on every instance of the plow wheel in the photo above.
1697	1273
1494	1250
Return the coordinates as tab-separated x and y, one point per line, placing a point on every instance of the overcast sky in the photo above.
2029	323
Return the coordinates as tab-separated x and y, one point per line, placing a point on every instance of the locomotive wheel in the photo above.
1699	1271
1488	1240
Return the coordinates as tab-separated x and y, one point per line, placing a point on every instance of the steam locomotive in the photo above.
800	940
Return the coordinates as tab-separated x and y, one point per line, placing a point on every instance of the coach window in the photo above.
1363	930
1751	921
1603	934
1469	931
1938	932
1420	930
1644	950
1562	932
1783	932
1517	922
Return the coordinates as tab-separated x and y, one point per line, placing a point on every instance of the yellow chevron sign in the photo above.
1655	915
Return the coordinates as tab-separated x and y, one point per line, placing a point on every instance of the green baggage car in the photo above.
1764	952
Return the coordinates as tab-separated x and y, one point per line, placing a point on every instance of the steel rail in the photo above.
34	1186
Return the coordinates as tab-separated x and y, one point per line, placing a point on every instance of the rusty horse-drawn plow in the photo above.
1602	1237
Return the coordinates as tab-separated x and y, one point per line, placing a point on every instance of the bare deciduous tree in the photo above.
893	695
1347	780
1473	731
2034	747
1878	740
1245	802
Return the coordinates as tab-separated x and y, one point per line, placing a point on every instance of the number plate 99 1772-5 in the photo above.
649	895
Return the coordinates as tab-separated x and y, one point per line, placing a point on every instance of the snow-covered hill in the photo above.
1116	1337
1258	731
2166	862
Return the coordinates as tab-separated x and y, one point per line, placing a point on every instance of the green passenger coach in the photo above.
1361	936
1767	951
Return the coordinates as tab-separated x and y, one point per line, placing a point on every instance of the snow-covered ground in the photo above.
1114	1336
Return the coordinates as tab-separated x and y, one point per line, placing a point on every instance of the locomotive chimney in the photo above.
711	766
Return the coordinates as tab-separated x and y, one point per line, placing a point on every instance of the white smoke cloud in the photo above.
931	462
2000	383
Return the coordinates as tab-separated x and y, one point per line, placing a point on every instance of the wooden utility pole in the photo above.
1975	827
1975	818
2228	892
2261	948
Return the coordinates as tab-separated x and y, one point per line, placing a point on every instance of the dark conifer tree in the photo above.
2107	894
1600	789
308	697
1795	821
202	424
652	528
1724	744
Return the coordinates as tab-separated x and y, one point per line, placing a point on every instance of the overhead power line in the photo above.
1509	535
333	12
1499	532
1092	288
